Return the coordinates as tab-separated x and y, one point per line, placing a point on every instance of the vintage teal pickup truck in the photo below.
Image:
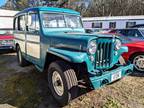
54	40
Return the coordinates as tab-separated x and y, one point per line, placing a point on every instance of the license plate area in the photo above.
116	76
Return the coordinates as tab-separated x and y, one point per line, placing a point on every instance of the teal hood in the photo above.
72	41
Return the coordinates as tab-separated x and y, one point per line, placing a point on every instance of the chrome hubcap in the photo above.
139	62
57	83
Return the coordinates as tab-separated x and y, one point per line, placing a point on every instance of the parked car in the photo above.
6	39
131	35
54	40
135	55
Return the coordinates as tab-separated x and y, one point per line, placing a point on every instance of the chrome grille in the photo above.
104	53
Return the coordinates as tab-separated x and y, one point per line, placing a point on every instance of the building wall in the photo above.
120	23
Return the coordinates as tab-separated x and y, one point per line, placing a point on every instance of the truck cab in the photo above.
54	40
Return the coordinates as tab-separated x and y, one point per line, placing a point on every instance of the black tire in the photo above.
69	81
21	60
132	59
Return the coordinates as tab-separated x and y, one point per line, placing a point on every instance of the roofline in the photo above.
52	9
138	17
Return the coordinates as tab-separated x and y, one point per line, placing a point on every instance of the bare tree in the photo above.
116	8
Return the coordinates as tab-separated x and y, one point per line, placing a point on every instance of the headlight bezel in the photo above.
92	47
118	44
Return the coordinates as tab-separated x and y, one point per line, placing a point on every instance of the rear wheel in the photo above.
21	60
62	82
138	61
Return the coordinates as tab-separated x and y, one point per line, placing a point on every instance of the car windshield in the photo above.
142	31
6	32
73	21
61	21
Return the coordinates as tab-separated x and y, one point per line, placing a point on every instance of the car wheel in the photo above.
62	82
138	61
21	60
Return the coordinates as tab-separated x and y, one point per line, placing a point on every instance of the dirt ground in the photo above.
27	88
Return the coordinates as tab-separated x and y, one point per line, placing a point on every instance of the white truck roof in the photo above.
6	18
112	18
8	13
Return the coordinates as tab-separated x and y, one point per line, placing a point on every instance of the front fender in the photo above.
118	53
71	56
123	49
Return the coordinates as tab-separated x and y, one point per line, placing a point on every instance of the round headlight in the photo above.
118	44
92	47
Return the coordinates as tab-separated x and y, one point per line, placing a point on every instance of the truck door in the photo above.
33	38
19	32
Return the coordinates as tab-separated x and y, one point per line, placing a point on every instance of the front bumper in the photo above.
106	78
7	47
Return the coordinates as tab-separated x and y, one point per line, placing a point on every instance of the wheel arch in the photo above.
52	57
16	45
134	54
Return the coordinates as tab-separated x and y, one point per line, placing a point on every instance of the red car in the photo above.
6	39
135	54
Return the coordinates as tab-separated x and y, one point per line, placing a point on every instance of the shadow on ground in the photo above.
6	51
24	87
137	74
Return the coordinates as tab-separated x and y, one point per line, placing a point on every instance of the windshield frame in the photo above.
64	15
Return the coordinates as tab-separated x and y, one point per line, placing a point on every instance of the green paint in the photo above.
71	44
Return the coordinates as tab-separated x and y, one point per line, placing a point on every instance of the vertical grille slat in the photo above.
103	56
104	53
107	60
110	46
101	50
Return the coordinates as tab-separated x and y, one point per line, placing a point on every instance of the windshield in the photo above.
6	32
142	31
61	21
73	21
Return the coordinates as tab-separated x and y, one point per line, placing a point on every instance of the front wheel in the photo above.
62	82
138	61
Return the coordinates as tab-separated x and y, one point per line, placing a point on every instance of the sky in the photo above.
2	2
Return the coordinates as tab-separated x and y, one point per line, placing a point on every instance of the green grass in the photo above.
111	103
6	69
21	91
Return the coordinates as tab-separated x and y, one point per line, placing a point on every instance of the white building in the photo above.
6	18
118	22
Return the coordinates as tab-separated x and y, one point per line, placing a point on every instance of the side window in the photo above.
124	32
21	23
112	25
130	24
97	25
134	33
32	22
